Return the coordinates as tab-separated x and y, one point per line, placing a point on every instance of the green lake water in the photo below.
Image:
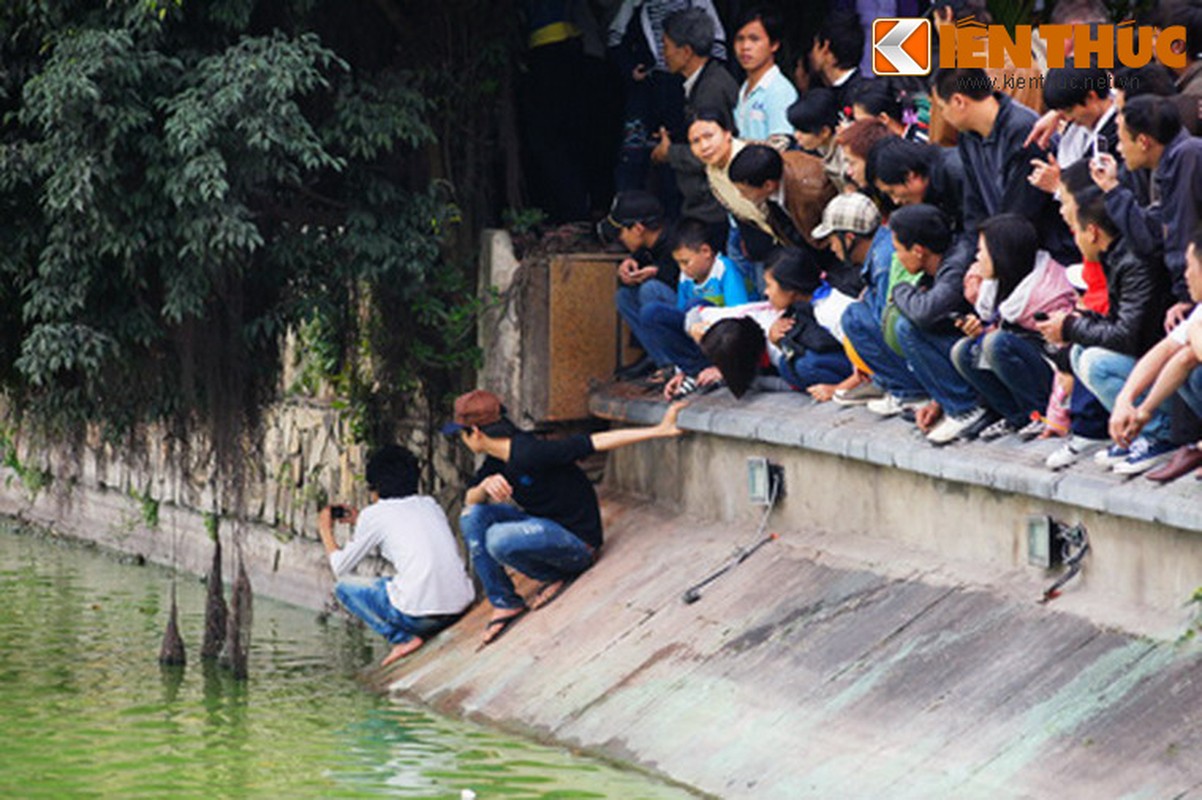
87	711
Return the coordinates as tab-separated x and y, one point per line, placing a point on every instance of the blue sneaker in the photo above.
1114	454
1145	454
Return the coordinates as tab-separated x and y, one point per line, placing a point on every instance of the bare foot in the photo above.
401	650
547	593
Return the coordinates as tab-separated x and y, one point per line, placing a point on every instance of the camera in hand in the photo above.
339	512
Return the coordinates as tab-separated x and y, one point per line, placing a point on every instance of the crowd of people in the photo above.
930	248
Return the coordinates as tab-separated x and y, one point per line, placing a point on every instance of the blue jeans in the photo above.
930	358
889	371
1104	372
752	271
369	602
499	535
663	325
1008	371
811	368
1191	392
632	299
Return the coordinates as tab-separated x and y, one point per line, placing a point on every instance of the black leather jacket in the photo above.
1139	296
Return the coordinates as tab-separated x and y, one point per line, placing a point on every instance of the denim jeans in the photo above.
930	358
1104	372
889	371
1013	377
369	602
1191	392
752	271
631	300
499	535
811	368
663	325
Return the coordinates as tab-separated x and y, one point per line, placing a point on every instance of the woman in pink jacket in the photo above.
1001	354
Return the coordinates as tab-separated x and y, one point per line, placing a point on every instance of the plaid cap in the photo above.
475	409
851	211
630	208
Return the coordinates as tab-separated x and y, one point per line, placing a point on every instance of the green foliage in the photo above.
32	478
148	506
523	220
212	522
181	183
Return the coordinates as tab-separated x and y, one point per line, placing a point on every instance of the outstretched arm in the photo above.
611	440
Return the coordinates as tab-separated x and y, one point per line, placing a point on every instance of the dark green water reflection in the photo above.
88	712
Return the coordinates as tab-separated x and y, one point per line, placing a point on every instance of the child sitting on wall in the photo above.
707	278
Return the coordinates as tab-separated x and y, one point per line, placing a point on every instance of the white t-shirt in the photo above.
1180	334
413	535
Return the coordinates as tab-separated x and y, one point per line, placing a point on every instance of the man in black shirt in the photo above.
531	508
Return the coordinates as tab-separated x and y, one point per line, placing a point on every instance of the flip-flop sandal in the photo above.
502	627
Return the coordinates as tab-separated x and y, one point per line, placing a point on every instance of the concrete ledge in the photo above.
1007	465
849	471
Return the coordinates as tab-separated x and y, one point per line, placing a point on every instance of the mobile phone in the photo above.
339	512
1040	316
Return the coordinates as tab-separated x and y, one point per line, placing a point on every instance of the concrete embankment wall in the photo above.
889	644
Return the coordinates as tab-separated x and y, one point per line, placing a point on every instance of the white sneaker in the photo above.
1073	450
891	405
952	426
859	395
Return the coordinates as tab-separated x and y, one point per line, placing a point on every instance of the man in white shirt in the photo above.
430	589
762	110
1168	368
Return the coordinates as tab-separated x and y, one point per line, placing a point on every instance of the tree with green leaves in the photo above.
182	182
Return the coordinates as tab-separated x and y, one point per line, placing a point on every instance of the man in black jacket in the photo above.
688	41
996	163
926	331
649	274
1105	348
1151	137
913	172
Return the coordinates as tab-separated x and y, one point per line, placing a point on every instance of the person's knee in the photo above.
908	334
506	538
855	319
962	355
342	591
650	291
474	522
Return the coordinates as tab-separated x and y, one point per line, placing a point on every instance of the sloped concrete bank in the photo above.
828	667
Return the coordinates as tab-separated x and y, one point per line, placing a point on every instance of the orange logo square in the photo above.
901	46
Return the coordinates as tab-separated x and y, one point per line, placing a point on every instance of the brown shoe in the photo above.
1185	459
